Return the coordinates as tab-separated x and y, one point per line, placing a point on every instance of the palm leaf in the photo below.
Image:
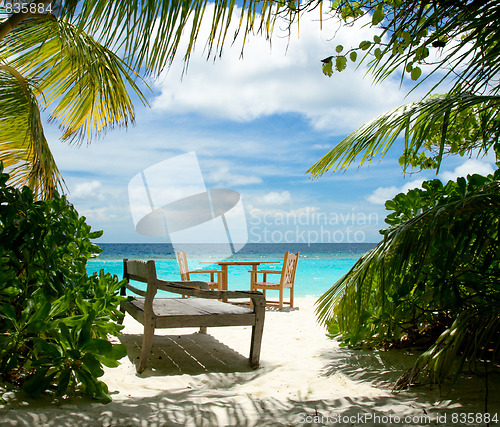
24	150
469	338
417	122
376	299
85	83
129	24
471	221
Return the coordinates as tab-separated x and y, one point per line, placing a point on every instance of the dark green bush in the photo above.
54	319
432	282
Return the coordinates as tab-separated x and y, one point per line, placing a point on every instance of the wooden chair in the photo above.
286	280
202	311
185	272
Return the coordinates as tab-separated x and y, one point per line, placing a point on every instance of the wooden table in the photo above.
225	264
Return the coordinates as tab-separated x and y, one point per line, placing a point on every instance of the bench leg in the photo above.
147	342
122	310
257	331
203	330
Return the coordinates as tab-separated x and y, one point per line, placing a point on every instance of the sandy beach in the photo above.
304	379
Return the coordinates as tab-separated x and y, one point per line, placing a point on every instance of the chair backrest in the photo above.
141	271
289	268
183	265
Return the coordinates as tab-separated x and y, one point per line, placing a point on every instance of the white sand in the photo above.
304	378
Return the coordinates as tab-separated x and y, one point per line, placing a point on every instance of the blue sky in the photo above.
256	124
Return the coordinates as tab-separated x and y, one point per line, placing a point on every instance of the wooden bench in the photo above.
204	310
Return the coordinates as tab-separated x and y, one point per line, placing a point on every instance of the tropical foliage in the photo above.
88	53
452	43
432	281
434	278
55	319
78	60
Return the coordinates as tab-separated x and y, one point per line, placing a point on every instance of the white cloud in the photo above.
469	167
382	194
86	189
322	147
104	214
275	198
223	176
286	78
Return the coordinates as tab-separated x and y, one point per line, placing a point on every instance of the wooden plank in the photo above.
133	311
268	271
209	320
135	290
177	313
202	311
182	288
190	307
257	332
215	307
137	270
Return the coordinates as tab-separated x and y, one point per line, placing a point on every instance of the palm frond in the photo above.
439	265
84	82
129	25
24	150
470	222
417	122
470	339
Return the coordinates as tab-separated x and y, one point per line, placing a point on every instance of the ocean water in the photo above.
319	267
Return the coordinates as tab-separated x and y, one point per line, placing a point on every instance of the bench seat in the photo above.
205	307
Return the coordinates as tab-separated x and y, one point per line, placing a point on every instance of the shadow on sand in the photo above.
191	354
219	371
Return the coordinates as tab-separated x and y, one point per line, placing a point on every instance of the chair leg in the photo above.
281	299
257	331
291	297
120	321
147	342
203	330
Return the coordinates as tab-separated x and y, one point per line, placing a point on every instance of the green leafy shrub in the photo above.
432	282
54	318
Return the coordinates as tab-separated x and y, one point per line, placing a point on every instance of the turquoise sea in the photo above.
319	267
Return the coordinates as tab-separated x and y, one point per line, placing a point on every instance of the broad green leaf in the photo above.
63	382
99	346
39	382
328	68
46	348
340	63
416	73
365	45
93	365
378	15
